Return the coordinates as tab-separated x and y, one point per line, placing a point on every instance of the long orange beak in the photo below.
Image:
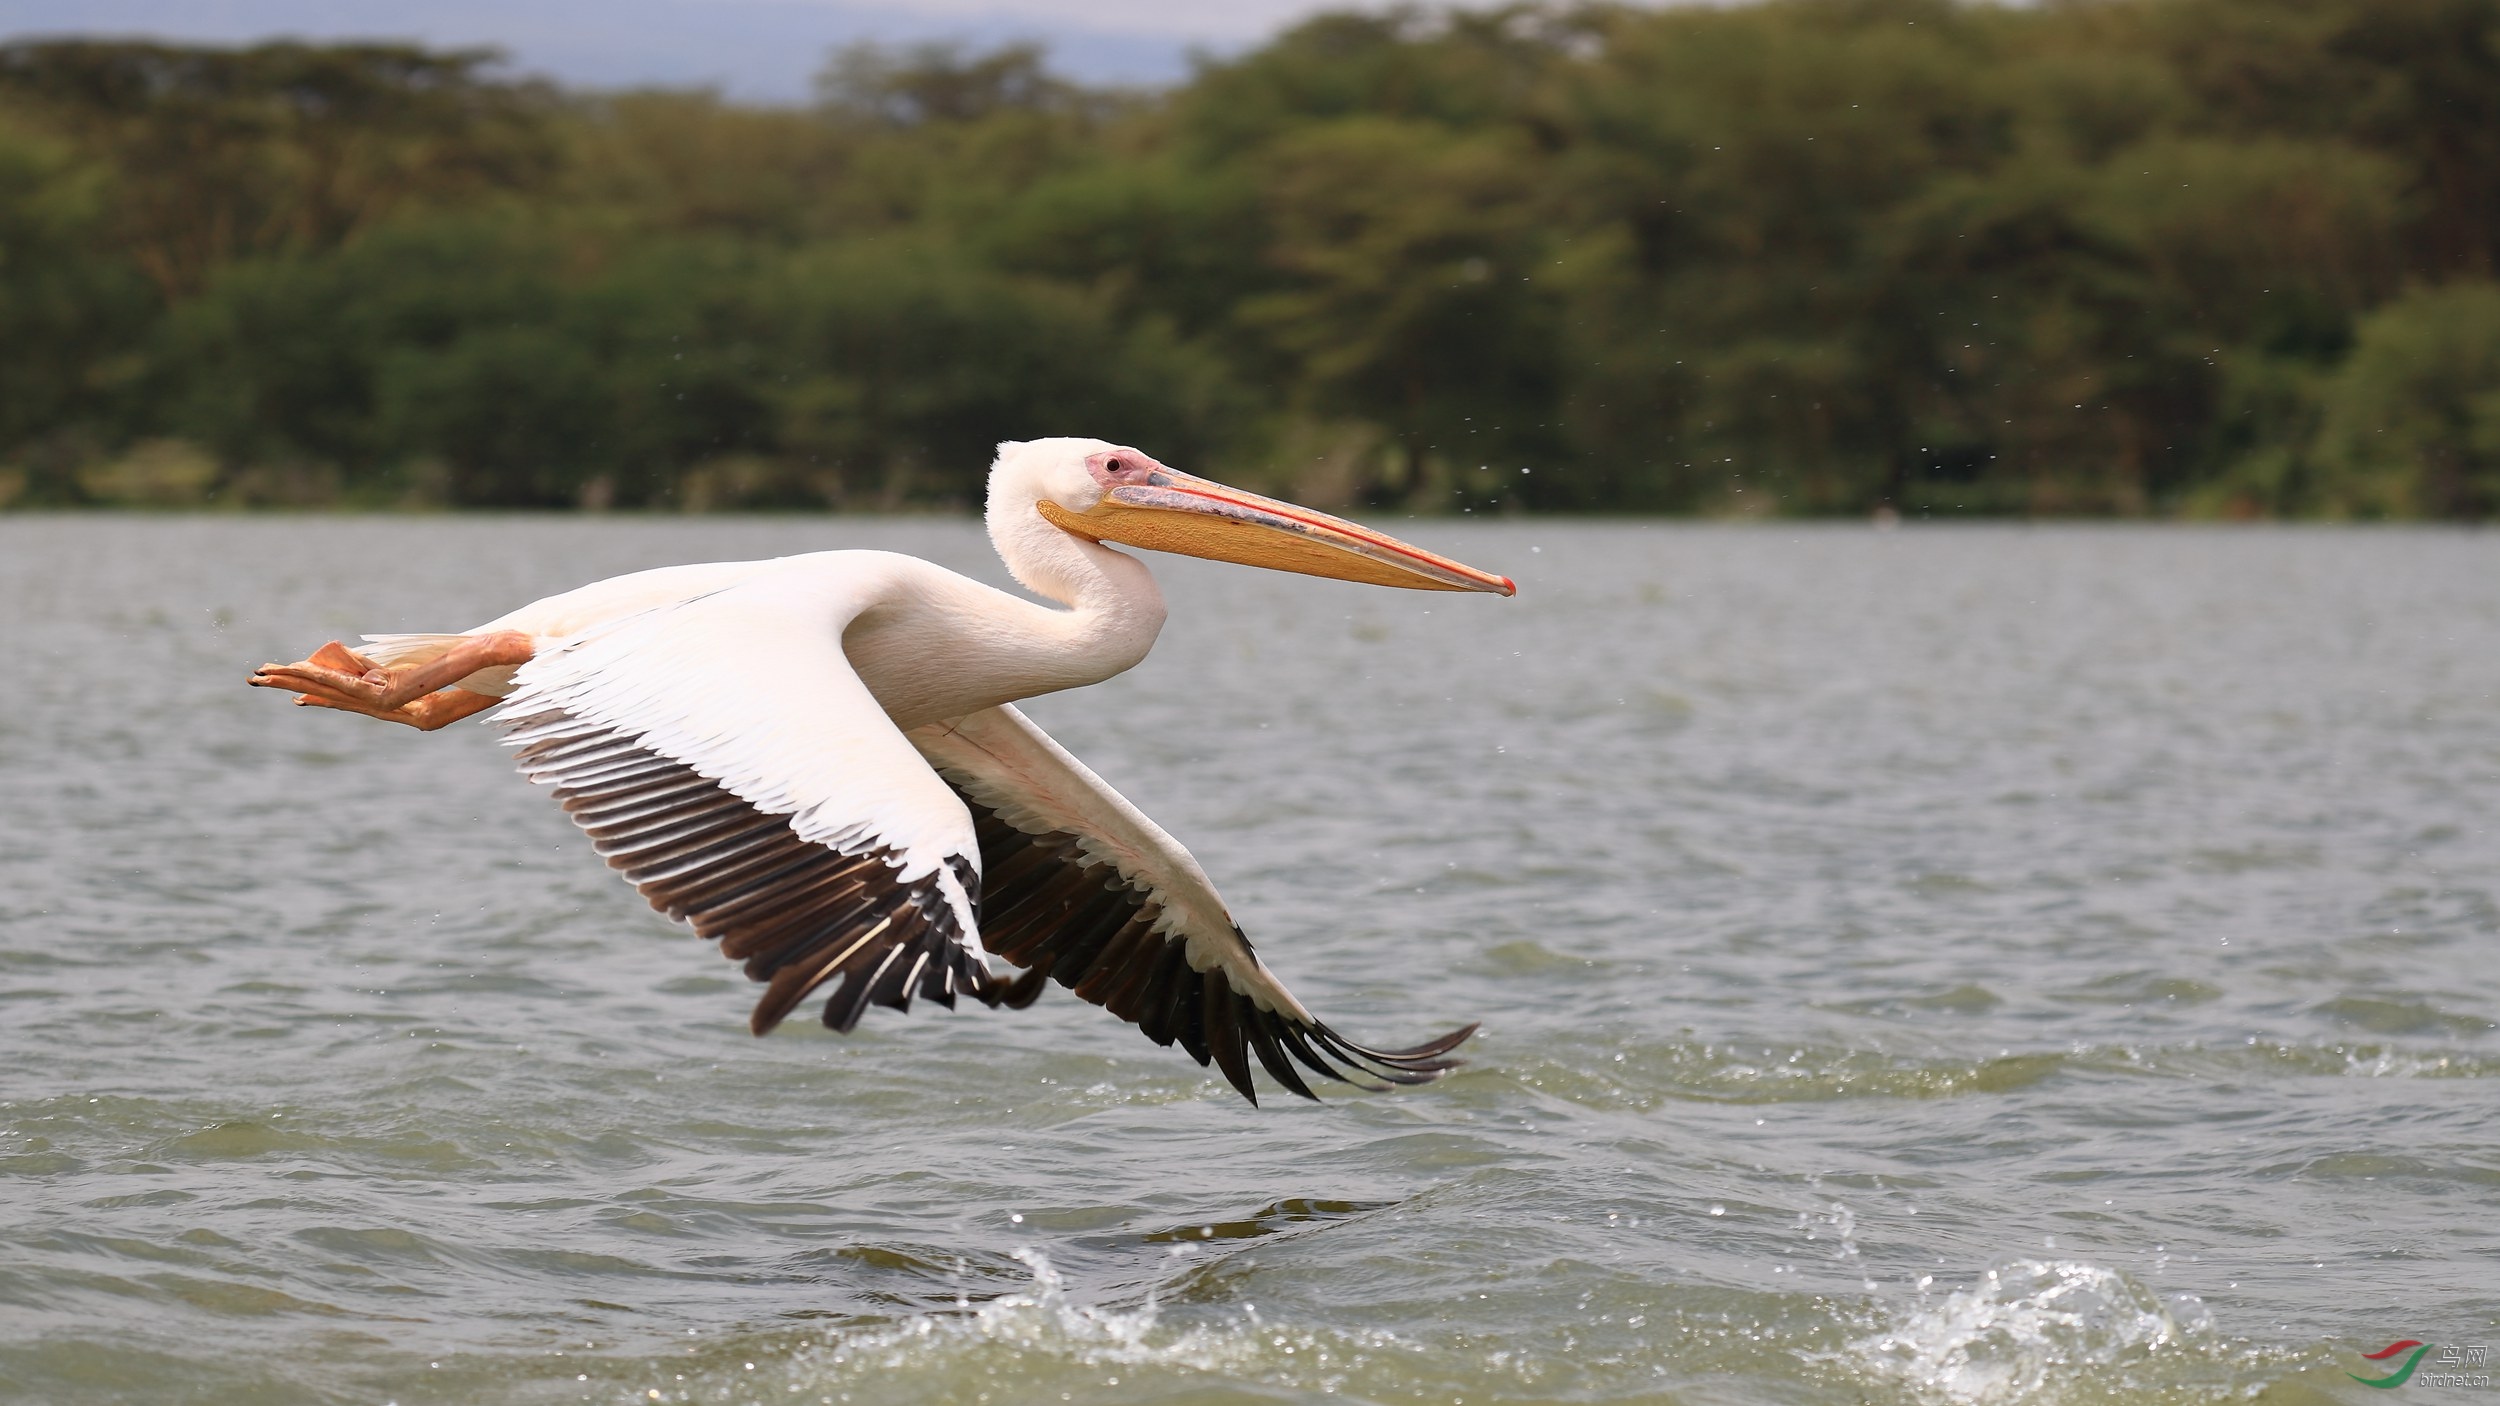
1196	517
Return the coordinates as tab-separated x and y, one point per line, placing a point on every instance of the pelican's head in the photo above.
1110	493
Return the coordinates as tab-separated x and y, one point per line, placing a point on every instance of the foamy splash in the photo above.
1043	1325
2029	1328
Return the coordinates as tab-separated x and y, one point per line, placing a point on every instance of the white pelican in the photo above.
817	760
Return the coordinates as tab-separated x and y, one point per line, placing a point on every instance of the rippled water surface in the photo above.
1945	965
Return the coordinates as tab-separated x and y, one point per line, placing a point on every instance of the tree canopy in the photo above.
2115	257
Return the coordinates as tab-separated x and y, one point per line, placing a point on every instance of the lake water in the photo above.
1957	965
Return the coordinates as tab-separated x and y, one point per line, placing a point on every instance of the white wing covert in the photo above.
1079	884
725	758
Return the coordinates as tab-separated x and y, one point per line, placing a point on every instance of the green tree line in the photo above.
2102	257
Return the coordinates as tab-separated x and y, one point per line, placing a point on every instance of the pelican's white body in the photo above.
928	643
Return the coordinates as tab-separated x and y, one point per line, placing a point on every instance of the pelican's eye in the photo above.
1113	468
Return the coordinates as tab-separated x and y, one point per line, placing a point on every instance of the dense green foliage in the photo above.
2203	257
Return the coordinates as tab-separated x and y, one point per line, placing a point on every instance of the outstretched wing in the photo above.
724	757
1078	883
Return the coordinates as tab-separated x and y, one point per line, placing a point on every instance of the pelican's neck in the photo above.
1114	609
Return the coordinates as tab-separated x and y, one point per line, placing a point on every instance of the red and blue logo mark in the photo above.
2410	1348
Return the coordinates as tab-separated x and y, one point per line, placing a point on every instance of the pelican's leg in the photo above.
426	714
338	677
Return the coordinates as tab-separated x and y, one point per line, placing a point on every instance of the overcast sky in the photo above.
758	49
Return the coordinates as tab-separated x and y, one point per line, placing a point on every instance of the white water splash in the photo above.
1017	1332
2030	1328
1047	1312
